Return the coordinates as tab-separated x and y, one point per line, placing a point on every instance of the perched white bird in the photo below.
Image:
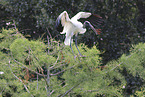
73	26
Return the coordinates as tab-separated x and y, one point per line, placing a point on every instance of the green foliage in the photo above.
141	92
123	21
7	37
23	60
131	69
33	68
27	62
27	49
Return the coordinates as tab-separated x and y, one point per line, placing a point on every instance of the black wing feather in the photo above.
58	25
94	19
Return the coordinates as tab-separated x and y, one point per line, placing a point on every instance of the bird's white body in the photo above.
72	26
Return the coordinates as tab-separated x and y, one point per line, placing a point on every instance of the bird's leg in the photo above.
72	50
76	44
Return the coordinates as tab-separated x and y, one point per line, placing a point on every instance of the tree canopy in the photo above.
35	62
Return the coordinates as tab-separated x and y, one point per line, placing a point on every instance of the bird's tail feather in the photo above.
67	40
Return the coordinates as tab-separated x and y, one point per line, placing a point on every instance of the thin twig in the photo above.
55	62
51	92
48	82
47	85
114	67
48	43
37	81
14	25
29	68
48	32
58	66
71	89
62	71
20	80
68	91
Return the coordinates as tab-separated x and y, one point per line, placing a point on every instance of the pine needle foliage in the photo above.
48	68
129	71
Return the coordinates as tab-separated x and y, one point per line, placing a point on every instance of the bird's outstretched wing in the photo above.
95	20
61	20
81	15
87	16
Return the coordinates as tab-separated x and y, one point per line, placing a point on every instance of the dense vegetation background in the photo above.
36	63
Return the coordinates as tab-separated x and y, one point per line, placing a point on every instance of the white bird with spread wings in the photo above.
73	26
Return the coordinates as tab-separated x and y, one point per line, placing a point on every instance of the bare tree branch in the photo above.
49	33
62	71
48	82
48	43
71	89
20	80
28	68
51	92
113	68
37	81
